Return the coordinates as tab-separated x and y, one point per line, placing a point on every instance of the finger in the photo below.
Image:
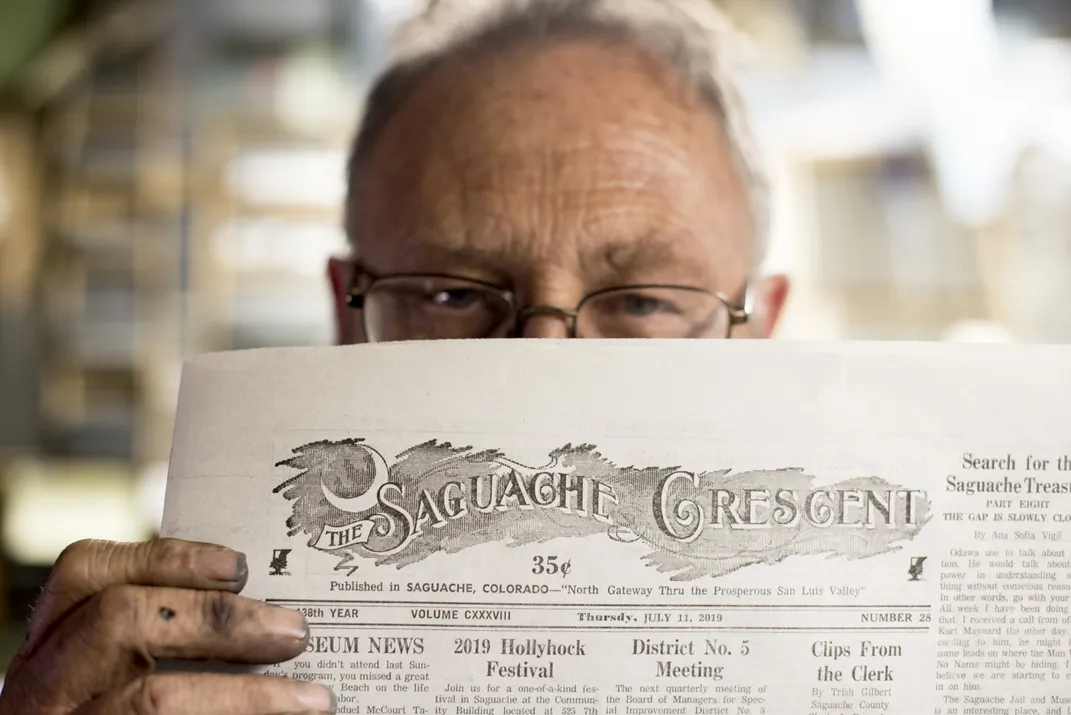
87	567
119	634
212	695
184	624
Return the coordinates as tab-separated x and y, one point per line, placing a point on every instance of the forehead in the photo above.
575	157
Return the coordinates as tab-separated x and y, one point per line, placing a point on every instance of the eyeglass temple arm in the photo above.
354	298
740	314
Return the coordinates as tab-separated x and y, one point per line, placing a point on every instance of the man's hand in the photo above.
109	611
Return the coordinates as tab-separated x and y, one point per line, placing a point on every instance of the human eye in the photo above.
645	312
436	307
641	305
455	298
441	297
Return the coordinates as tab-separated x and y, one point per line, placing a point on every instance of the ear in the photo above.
348	328
771	292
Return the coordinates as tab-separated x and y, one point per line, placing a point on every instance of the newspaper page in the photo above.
648	528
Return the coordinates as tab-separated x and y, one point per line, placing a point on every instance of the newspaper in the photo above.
648	528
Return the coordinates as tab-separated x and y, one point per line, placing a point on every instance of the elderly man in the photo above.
551	169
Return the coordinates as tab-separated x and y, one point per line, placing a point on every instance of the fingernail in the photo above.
223	565
315	697
286	622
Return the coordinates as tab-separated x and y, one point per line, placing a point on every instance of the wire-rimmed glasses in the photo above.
429	306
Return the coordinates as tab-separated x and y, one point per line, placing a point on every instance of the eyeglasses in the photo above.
428	306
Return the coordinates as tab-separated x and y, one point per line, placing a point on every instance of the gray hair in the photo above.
693	35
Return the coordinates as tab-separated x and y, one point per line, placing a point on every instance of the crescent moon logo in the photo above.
362	502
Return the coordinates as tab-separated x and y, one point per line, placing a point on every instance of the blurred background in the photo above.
171	174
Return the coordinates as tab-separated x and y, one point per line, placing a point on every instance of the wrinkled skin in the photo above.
552	171
109	611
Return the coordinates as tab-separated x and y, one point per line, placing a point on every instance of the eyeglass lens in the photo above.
433	309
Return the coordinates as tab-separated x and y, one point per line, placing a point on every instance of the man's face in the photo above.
555	172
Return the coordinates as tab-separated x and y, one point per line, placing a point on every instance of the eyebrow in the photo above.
617	260
650	251
489	259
